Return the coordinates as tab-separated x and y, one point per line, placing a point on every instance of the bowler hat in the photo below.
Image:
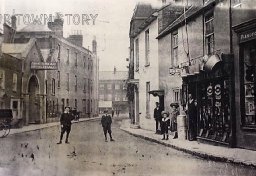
174	105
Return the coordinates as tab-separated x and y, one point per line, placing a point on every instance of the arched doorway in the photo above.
34	101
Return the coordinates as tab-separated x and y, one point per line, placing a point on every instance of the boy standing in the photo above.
106	124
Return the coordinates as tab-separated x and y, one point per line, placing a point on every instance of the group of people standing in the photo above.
165	120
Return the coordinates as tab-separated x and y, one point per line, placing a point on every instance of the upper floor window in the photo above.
2	79
75	83
58	51
147	48
101	86
67	56
84	61
14	82
53	86
174	60
58	78
109	86
117	86
76	60
209	33
137	55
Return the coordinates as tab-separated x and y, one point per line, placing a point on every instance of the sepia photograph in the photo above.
127	87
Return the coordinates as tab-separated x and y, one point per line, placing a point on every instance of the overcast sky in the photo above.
111	27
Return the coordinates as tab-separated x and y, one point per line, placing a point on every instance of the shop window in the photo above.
249	56
137	60
14	82
147	49
2	79
174	60
209	33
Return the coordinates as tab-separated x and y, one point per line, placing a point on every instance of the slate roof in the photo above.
109	75
18	50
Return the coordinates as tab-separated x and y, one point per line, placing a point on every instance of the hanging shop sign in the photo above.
44	66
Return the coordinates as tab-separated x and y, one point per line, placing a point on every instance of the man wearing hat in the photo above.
106	124
157	116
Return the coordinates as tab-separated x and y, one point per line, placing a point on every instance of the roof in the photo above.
142	10
109	75
18	50
189	14
35	27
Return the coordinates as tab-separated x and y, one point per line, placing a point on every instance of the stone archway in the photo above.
34	100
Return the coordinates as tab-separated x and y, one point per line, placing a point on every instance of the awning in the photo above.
157	93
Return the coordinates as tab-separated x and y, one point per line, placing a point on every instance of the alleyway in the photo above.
36	153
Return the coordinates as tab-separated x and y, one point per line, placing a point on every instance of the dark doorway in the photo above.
34	101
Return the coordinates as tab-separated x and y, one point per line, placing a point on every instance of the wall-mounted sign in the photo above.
44	66
246	36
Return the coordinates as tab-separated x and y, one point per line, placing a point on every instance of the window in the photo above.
84	62
147	100
75	103
174	60
237	3
2	79
67	56
85	81
101	86
209	33
176	94
46	87
75	83
58	51
117	97
14	82
67	81
101	97
88	63
84	105
109	86
53	86
249	84
147	48
117	86
67	102
76	60
137	55
109	97
58	77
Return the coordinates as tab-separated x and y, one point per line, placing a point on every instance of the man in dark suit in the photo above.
157	116
106	122
65	122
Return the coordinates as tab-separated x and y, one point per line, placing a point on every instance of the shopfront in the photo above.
212	90
245	73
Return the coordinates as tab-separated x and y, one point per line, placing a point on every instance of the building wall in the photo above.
121	103
148	74
245	12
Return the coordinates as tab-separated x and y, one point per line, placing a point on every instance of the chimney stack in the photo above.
94	45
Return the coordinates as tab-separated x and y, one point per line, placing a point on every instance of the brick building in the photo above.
112	91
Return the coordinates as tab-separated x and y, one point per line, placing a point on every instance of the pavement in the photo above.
34	127
210	152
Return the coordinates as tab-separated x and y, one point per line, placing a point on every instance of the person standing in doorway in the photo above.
157	117
192	117
65	122
106	122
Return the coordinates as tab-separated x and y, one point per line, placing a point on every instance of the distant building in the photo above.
112	91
